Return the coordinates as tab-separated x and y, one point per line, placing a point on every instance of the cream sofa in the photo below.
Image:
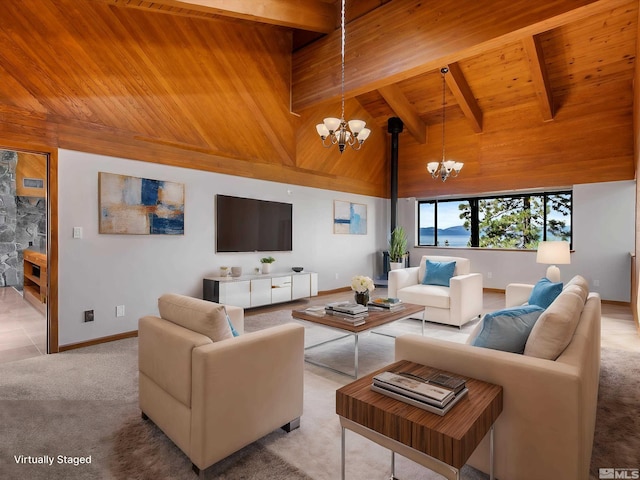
546	428
456	305
213	397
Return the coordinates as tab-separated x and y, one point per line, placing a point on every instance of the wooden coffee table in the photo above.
440	443
376	318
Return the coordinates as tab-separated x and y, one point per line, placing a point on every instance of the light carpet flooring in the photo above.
51	403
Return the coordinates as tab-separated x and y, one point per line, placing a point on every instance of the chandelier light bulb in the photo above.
322	130
363	135
332	124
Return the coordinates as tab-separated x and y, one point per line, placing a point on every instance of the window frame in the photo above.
474	202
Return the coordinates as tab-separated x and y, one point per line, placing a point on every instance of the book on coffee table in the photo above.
347	307
388	302
355	320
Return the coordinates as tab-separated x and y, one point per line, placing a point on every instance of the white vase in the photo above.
266	268
396	265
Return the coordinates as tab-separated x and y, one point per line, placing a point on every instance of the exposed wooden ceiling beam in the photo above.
405	38
467	102
405	111
313	15
539	76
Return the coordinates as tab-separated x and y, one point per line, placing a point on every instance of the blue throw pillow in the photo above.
234	332
544	293
438	273
508	329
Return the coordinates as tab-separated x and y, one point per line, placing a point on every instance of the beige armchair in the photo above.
455	304
212	393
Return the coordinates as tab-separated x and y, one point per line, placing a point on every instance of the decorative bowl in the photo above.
297	269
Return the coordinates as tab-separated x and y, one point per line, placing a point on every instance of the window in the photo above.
506	221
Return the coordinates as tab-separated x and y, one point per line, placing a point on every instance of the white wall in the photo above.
101	271
603	238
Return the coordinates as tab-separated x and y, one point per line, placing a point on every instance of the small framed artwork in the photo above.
349	217
140	206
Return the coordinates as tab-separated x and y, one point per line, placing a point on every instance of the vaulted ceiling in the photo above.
539	94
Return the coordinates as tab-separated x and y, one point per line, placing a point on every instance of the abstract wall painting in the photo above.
350	218
140	206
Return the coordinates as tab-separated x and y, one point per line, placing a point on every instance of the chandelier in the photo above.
336	130
445	168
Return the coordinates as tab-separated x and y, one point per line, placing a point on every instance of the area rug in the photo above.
83	403
142	452
617	436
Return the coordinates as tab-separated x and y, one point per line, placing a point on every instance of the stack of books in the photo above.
353	313
316	311
437	393
387	303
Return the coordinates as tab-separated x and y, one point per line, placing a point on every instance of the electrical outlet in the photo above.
88	315
120	311
596	283
77	232
337	276
489	274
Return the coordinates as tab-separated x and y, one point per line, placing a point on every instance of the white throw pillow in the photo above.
555	327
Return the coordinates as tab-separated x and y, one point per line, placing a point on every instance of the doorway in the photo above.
24	266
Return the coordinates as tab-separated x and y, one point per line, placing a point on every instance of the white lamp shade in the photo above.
332	123
448	165
356	126
552	253
458	166
432	167
322	130
364	134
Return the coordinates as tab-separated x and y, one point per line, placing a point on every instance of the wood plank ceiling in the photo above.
538	94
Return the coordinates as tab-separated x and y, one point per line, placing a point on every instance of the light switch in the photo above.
77	232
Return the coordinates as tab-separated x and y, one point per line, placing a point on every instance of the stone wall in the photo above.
22	223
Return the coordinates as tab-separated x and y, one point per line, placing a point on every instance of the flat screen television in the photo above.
250	225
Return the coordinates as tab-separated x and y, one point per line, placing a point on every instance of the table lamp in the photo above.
552	253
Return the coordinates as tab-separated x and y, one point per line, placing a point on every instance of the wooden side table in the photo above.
440	443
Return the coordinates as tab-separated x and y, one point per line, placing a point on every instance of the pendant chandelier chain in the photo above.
343	39
443	113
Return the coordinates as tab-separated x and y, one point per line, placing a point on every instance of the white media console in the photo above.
255	290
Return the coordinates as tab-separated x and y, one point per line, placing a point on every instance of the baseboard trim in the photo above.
616	302
337	290
493	290
97	341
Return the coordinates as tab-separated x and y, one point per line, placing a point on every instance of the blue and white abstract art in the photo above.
349	218
140	206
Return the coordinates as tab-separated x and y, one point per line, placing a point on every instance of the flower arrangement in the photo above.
362	284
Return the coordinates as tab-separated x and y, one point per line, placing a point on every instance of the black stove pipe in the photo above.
394	127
